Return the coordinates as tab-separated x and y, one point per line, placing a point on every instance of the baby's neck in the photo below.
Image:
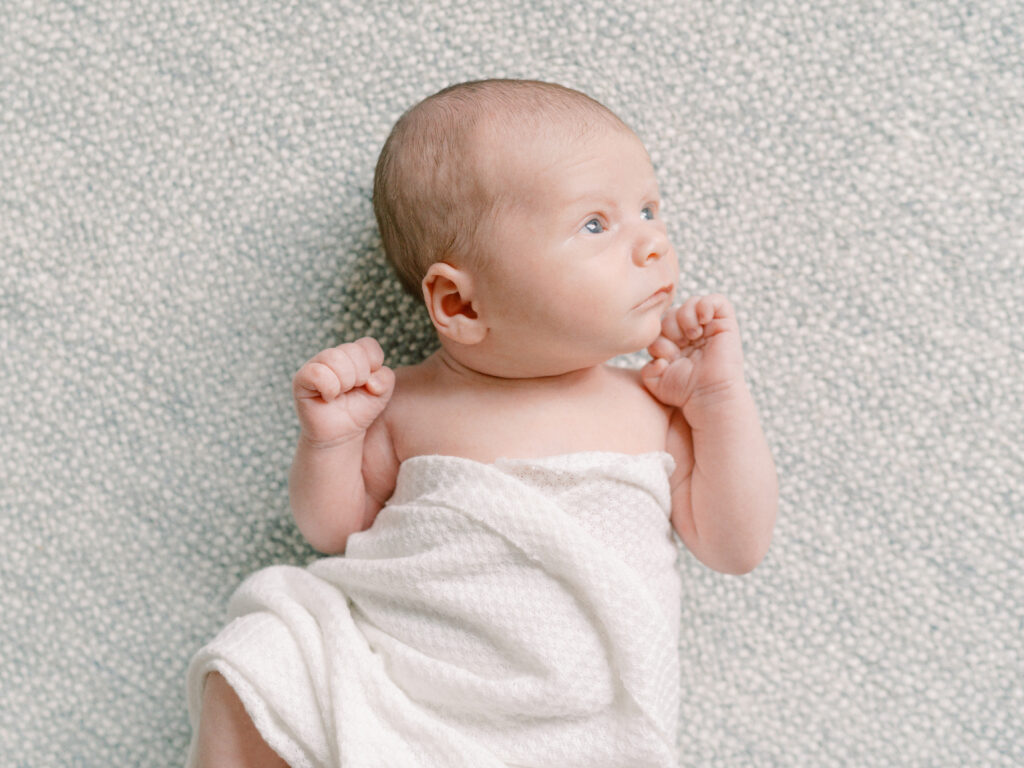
459	372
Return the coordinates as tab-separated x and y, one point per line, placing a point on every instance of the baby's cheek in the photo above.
651	336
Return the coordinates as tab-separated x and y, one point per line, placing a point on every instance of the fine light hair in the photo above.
430	203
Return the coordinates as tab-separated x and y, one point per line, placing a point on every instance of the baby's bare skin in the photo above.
583	271
443	407
579	269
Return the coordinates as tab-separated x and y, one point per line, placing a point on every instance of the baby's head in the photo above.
435	188
525	214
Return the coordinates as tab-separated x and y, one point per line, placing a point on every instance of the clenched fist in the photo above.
698	358
341	391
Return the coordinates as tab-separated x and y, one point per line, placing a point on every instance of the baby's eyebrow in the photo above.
595	196
604	199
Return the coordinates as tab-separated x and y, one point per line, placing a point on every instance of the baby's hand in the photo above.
341	391
698	358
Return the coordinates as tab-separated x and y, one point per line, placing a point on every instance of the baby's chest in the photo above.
487	429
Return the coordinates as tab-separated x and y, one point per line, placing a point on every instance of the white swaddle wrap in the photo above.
521	613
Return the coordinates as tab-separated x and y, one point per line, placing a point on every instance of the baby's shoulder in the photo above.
382	443
633	400
413	385
628	383
433	413
626	378
416	397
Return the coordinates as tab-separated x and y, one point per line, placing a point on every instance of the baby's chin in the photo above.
635	342
649	335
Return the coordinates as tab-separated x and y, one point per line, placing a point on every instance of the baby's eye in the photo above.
647	212
594	226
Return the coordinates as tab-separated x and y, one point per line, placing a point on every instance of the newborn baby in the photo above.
508	592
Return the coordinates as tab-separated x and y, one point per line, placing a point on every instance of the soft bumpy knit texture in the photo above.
521	613
185	218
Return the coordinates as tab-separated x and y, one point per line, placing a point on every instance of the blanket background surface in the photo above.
185	218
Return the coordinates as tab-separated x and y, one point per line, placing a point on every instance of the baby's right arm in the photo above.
338	395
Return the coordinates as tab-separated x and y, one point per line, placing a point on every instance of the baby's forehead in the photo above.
525	146
551	174
511	161
527	153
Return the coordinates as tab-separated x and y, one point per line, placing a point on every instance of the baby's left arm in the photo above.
724	491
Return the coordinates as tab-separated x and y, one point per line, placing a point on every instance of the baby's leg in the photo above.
227	736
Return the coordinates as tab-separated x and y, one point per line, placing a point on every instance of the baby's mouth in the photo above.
662	294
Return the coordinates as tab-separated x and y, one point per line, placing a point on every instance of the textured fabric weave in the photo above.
185	218
522	613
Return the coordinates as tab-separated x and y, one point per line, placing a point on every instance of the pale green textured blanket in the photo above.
185	218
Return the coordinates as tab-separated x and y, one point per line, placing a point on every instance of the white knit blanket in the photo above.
519	613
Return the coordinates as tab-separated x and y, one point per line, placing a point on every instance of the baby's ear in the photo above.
448	293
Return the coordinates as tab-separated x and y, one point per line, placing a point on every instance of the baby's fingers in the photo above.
353	362
689	321
371	348
340	369
698	313
670	329
357	362
315	380
668	382
381	381
349	365
663	348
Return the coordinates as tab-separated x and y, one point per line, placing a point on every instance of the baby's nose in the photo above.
649	250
